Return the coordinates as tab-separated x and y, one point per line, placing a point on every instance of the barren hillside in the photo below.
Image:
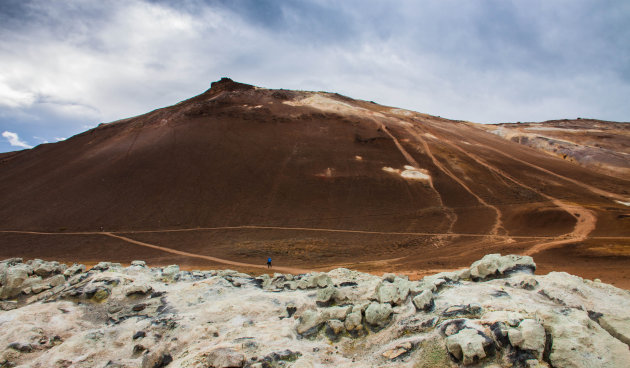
314	180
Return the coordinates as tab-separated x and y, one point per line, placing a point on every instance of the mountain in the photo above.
313	180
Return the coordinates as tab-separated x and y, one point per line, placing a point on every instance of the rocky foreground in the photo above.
494	314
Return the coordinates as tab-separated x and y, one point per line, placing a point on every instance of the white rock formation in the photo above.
495	314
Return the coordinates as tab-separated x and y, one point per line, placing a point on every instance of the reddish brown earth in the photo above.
315	181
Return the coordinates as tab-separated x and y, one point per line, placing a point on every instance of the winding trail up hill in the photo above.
314	180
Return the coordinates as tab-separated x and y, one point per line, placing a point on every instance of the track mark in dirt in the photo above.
498	224
288	228
450	213
591	188
200	256
585	219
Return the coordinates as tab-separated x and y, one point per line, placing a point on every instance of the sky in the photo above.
66	66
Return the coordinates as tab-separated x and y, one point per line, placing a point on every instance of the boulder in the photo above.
104	266
578	341
334	328
56	280
377	314
309	322
353	322
424	301
497	266
302	284
530	335
395	292
74	269
169	272
225	358
339	313
138	263
14	278
467	345
155	359
326	295
138	289
320	280
44	269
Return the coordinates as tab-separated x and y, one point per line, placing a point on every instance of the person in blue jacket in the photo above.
269	262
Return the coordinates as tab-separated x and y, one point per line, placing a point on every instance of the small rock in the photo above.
469	310
320	280
139	334
224	358
138	289
169	272
56	280
291	309
389	277
100	294
104	266
466	345
39	287
139	307
24	348
157	359
285	355
396	352
528	283
495	265
377	314
8	305
302	284
339	313
138	263
74	269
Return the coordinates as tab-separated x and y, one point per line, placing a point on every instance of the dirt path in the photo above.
450	213
591	188
498	224
209	258
585	219
260	227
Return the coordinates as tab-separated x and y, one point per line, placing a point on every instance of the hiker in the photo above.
269	262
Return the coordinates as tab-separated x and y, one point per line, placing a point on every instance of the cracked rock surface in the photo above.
495	314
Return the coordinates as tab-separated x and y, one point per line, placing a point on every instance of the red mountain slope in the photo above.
314	180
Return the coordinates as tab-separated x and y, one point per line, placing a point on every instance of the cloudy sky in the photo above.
66	66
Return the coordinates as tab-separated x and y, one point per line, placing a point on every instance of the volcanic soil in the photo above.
316	181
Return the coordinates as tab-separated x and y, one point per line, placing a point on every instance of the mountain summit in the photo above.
314	180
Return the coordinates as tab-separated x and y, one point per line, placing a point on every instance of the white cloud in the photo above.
82	63
13	98
14	140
